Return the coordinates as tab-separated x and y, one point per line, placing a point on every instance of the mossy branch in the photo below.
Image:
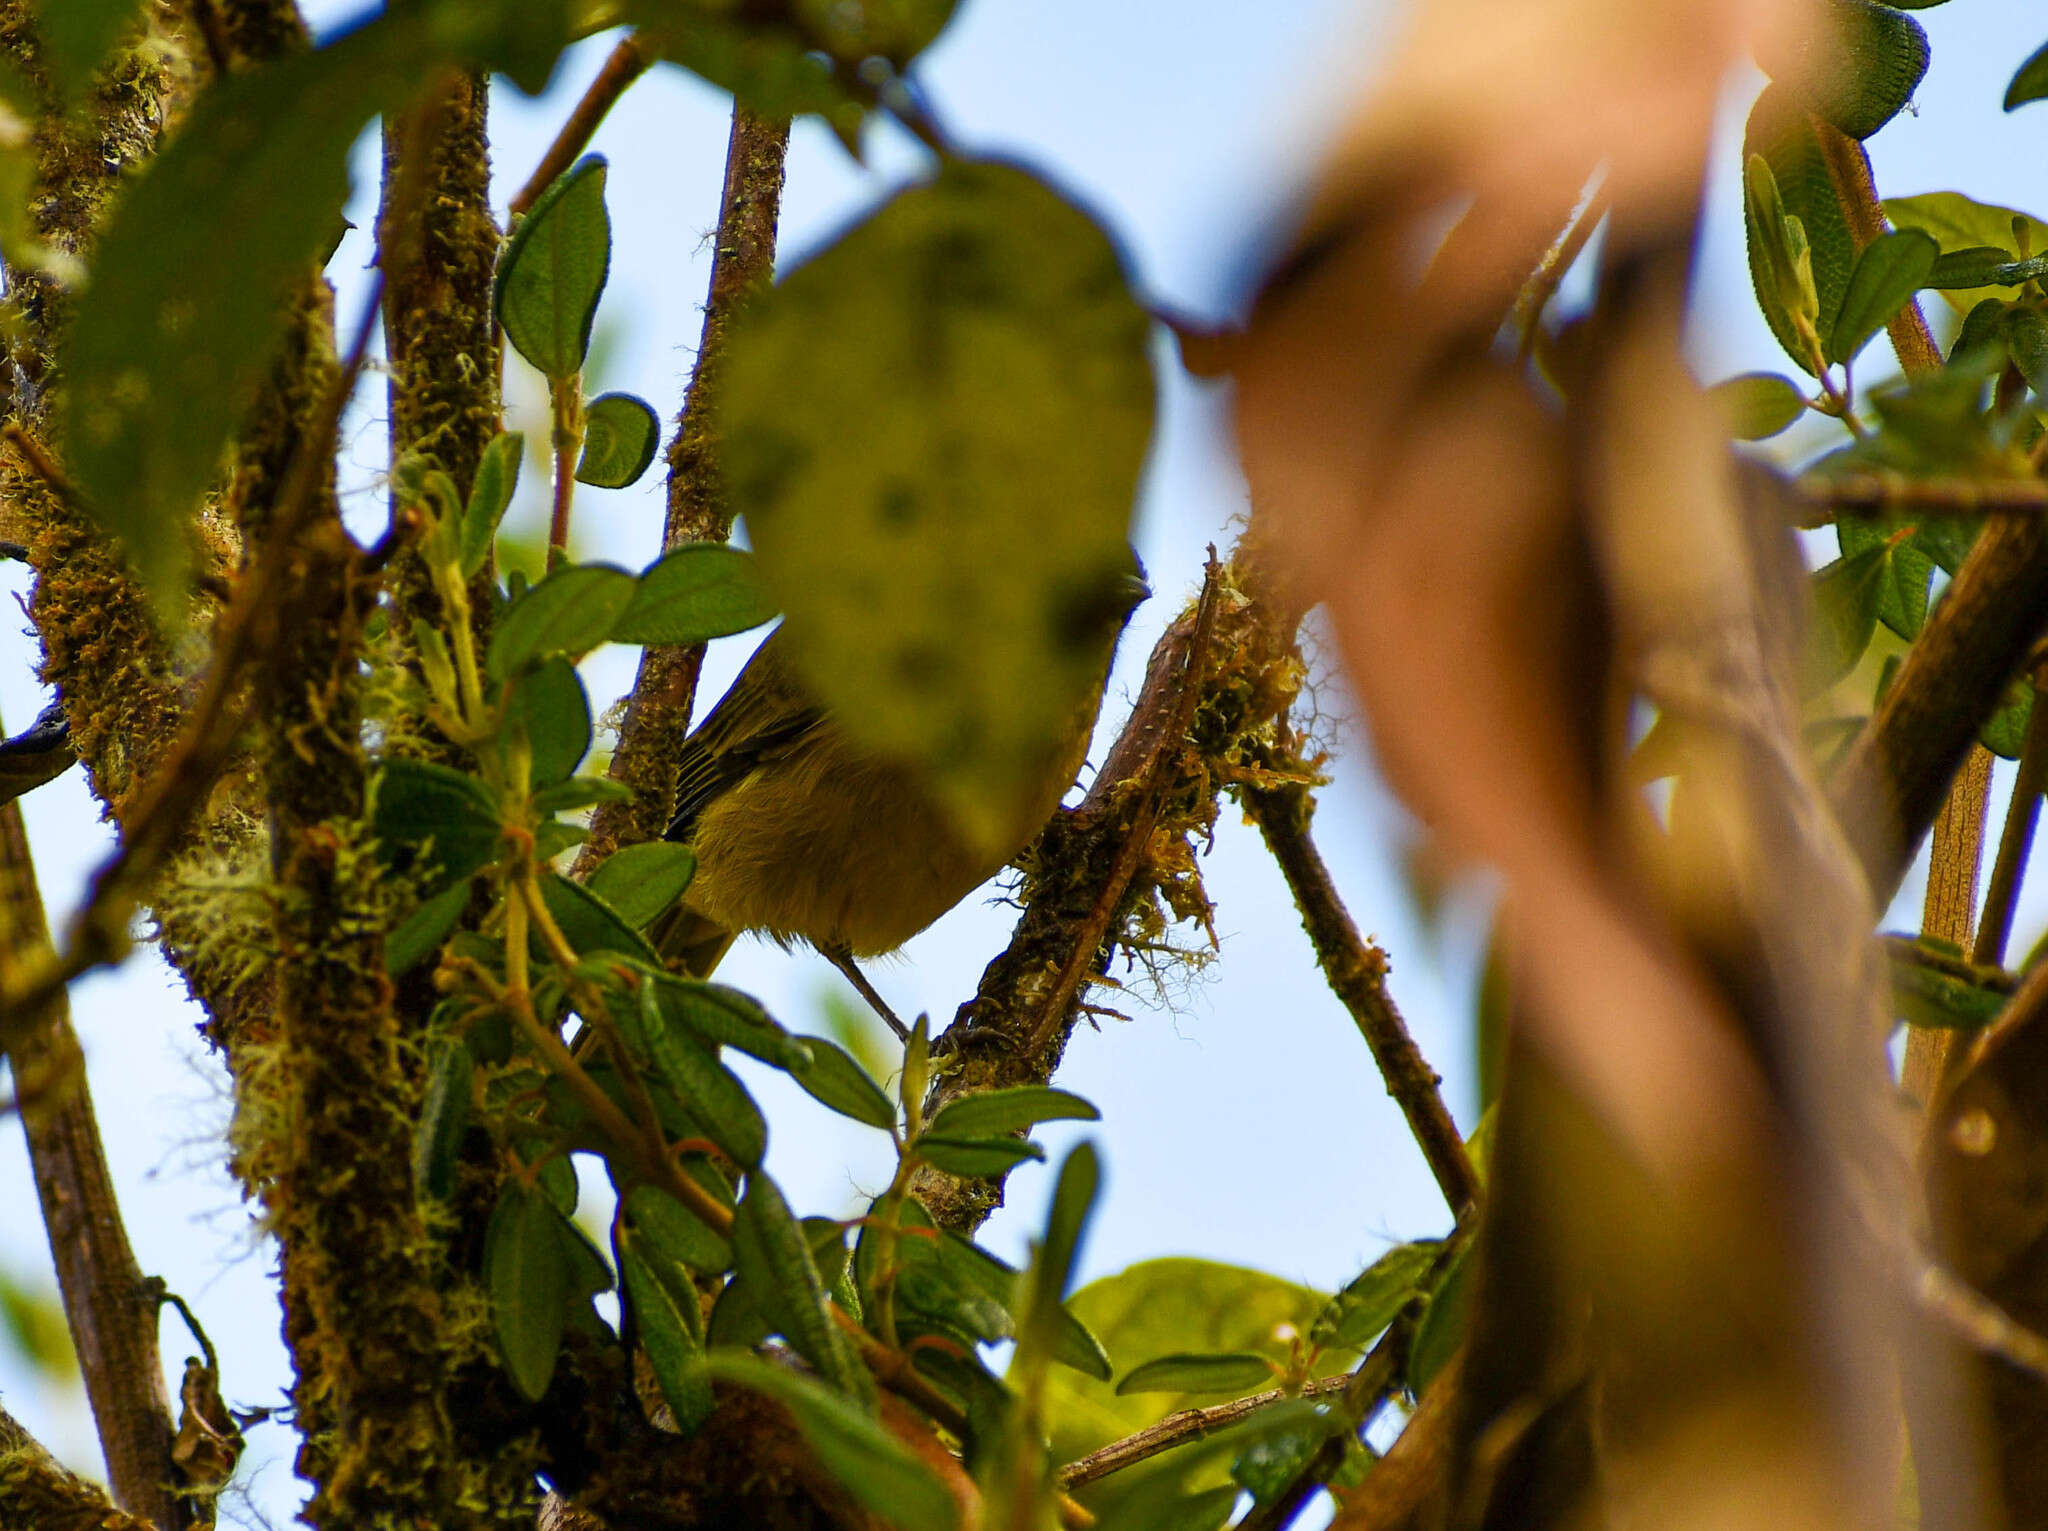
35	1491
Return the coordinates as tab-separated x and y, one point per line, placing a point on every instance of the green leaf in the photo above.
1907	574
1234	1372
1780	133
1891	269
1756	405
1845	596
876	1468
77	36
835	1081
1983	266
497	480
549	705
580	792
774	1258
2026	341
711	1091
620	433
1170	1305
976	1156
670	1235
2030	82
1959	223
420	934
526	1270
952	588
171	338
569	613
444	1114
1925	996
701	591
1143	1510
787	61
998	1111
642	882
671	1328
1983	328
1356	1315
441	823
1442	1328
2006	732
1870	61
553	271
589	924
724	1017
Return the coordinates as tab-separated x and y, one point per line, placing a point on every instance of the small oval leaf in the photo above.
701	591
773	1257
569	613
836	1081
1757	404
992	1112
620	433
642	882
977	1156
444	1114
2026	341
671	1326
554	270
1369	1303
550	707
438	822
420	934
1240	1371
497	480
2030	82
526	1270
711	1091
1890	270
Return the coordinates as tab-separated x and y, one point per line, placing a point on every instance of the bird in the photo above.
807	836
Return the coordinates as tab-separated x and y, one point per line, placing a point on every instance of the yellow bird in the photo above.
804	835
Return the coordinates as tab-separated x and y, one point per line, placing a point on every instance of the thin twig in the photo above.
1357	974
1551	271
1187	1425
2016	840
622	66
111	1315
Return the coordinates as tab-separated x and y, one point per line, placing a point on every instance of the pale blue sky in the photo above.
1242	1118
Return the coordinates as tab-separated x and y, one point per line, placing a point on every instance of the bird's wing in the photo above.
750	726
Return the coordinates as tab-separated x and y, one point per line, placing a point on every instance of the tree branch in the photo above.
657	716
1160	779
622	66
1178	1429
1892	782
1357	973
1849	168
1886	494
37	1494
111	1313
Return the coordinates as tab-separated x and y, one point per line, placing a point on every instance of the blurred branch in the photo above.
1178	1429
111	1313
1550	273
1885	494
1897	773
622	66
1357	973
38	1494
657	716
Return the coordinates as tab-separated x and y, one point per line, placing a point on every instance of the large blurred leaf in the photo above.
77	36
189	279
1959	223
935	430
1779	131
786	57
